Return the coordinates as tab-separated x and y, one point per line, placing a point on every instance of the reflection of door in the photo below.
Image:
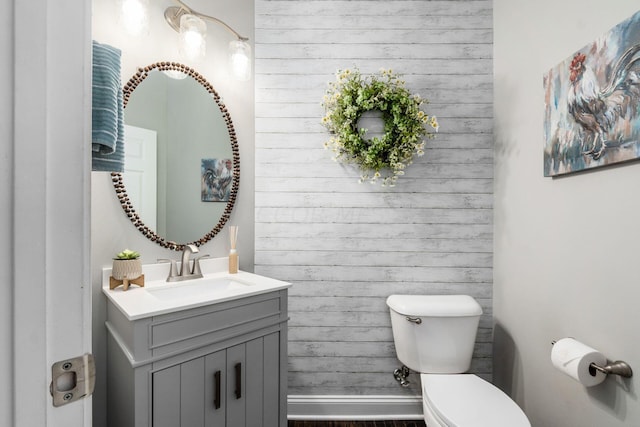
141	172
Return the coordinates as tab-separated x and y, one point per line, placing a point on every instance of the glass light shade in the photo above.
134	16
240	59
175	74
193	33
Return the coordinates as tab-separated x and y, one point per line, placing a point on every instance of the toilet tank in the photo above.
434	333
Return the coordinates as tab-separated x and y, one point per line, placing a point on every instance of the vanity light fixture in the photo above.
192	28
193	35
240	59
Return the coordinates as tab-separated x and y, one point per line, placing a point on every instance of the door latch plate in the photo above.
72	379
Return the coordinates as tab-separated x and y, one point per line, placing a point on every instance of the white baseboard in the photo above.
304	407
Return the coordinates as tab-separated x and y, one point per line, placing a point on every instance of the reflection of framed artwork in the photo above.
216	176
592	101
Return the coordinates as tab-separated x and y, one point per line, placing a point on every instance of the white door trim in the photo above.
51	203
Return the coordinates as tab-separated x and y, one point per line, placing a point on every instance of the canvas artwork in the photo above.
592	114
216	177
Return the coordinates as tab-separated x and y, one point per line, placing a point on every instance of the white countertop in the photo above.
150	300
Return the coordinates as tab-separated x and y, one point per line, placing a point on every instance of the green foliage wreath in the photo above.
404	124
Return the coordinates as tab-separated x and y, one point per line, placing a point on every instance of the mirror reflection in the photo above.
181	158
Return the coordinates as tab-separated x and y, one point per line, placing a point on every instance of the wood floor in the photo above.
356	423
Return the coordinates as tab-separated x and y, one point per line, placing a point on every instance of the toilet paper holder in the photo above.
615	368
618	367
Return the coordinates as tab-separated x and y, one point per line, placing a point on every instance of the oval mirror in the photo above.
182	163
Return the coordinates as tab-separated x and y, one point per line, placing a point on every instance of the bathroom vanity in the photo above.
210	351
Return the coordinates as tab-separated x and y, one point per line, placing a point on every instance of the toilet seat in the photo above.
466	400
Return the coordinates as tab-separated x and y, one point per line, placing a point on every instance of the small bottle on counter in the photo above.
233	254
233	261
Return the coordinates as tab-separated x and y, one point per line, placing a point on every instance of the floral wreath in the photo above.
383	157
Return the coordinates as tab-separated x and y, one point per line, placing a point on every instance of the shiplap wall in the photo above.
346	246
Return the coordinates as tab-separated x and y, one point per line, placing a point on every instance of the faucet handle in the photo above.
196	264
173	269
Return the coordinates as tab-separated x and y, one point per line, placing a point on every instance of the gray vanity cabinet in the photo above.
213	366
232	387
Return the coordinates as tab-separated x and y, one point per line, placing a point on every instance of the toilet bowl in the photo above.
434	335
463	400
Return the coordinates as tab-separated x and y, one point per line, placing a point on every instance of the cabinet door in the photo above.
236	387
271	388
166	397
179	395
263	381
192	392
215	400
255	383
236	390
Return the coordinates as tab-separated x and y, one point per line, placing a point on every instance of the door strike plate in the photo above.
72	379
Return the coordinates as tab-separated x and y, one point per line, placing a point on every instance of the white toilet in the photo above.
434	335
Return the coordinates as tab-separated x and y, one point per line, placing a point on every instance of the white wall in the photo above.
566	249
111	229
347	246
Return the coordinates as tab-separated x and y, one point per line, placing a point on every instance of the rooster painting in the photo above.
598	109
592	114
216	180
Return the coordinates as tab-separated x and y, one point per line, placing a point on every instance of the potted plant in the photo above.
126	268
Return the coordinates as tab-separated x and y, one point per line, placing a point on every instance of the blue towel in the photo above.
107	116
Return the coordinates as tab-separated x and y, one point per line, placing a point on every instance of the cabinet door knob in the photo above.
238	368
216	396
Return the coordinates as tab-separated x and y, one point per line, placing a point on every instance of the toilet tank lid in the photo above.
435	305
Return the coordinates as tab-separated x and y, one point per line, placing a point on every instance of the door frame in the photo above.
47	251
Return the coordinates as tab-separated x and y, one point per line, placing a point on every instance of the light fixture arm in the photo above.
173	13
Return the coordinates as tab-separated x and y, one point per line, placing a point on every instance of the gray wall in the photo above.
347	246
566	249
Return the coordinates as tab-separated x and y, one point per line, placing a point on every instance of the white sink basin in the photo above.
159	297
199	288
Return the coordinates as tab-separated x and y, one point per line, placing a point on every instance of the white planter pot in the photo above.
126	269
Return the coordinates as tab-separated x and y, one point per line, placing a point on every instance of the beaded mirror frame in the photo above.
118	178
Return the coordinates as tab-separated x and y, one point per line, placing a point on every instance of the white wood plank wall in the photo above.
347	246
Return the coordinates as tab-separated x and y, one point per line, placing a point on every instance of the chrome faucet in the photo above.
187	272
186	254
